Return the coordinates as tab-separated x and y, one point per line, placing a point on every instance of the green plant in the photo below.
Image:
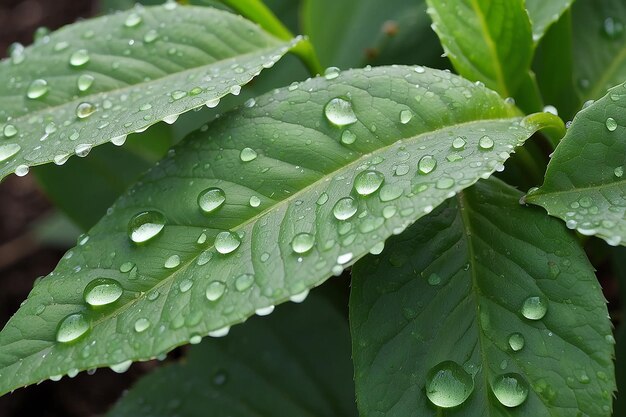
473	301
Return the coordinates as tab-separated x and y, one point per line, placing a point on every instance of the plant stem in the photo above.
258	12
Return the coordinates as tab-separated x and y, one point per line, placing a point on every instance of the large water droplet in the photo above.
72	328
211	199
448	385
141	325
255	201
406	116
215	290
345	208
485	143
79	58
227	242
426	164
150	36
38	88
611	124
458	143
172	262
145	226
302	242
339	112
516	342
368	182
85	81
510	389
534	308
84	110
102	291
247	154
8	150
9	131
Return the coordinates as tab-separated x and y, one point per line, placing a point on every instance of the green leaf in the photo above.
599	46
298	360
134	70
393	32
282	168
544	14
585	184
453	288
486	40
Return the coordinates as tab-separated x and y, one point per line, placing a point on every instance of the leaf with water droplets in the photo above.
242	258
584	184
487	40
304	350
501	332
108	85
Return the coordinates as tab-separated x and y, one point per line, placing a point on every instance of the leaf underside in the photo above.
453	289
585	183
141	72
544	14
300	172
297	360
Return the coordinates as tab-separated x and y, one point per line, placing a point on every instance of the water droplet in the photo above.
344	258
406	116
619	171
21	170
85	81
9	131
448	385
390	192
243	282
8	150
302	242
185	285
458	143
145	226
611	124
434	279
150	36
255	201
38	88
227	242
247	154
61	46
419	69
102	291
339	112
345	208
126	267
264	311
612	28
84	110
72	328
119	140
83	149
426	164
368	182
132	20
211	199
347	137
121	367
516	342
444	183
178	94
172	262
300	297
331	73
510	389
485	142
534	308
142	325
215	290
79	58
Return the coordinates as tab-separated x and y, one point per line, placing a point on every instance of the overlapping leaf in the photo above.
495	287
543	14
486	40
83	85
292	190
294	363
585	184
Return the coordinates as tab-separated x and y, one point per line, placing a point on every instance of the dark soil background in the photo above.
23	258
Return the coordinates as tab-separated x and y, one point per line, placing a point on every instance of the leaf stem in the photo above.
258	12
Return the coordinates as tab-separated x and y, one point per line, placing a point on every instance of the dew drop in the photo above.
21	170
150	36
102	291
347	137
132	20
215	290
172	262
339	112
255	201
426	164
406	116
611	124
368	182
178	94
145	226
243	282
345	208
38	88
79	58
84	82
448	384
141	325
121	367
516	342
534	308
185	285
300	297
619	171
247	155
227	242
485	143
8	150
302	242
83	149
211	199
331	73
510	389
264	311
84	110
72	328
9	131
